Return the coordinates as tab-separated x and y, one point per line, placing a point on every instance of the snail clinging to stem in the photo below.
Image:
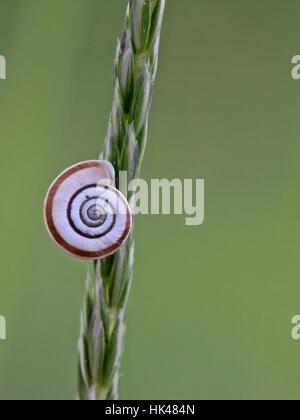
84	214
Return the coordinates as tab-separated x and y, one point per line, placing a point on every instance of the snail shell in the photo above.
85	215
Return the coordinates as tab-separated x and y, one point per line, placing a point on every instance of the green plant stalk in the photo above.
108	282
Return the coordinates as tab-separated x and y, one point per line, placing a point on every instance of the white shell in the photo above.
84	214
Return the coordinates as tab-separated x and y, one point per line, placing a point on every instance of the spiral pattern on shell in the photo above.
84	214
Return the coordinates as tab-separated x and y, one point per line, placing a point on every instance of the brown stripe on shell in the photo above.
52	228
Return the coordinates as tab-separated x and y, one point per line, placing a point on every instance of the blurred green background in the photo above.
211	306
